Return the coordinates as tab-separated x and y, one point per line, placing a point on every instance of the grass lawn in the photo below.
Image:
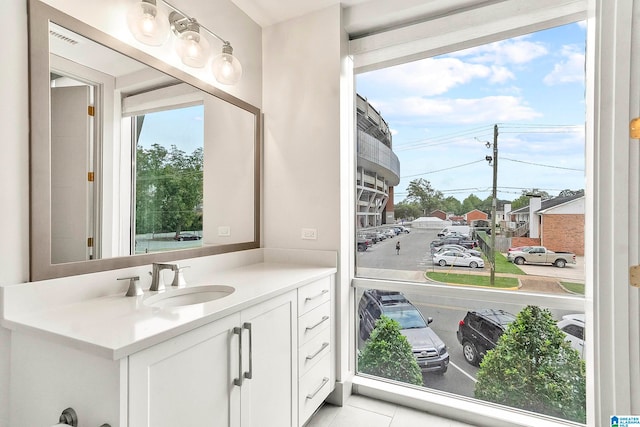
504	266
577	288
472	279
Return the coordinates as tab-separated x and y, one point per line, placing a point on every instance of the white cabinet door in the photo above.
188	381
269	396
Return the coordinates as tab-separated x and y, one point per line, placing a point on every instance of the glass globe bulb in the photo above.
193	49
226	68
147	23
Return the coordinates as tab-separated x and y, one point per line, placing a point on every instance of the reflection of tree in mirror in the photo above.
168	190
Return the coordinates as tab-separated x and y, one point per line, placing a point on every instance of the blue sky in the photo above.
442	110
182	127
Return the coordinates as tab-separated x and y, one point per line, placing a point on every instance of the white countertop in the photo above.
115	326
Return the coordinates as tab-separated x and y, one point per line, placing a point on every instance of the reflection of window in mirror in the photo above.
168	179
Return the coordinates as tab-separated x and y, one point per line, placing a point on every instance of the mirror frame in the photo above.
41	268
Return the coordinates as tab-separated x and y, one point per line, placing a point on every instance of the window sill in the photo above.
453	407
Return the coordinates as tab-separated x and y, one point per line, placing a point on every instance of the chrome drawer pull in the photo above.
324	319
249	374
238	381
324	291
324	345
312	395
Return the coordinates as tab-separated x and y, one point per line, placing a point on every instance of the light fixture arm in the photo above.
180	22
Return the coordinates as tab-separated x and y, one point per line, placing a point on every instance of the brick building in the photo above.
559	224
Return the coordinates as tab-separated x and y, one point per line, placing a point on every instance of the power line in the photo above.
541	165
445	169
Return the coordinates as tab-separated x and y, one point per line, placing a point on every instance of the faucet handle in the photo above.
178	277
134	286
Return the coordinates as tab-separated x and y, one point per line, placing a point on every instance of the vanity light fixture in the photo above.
147	23
225	67
150	26
191	46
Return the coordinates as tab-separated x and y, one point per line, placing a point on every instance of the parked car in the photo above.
457	258
374	237
541	255
463	229
389	232
363	244
435	250
186	236
573	327
479	332
428	349
401	229
519	249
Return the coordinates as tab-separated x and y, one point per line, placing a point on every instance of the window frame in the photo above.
416	42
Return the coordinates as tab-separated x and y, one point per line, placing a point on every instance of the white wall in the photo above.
219	15
301	101
14	173
309	118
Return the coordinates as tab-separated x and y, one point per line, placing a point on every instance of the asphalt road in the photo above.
381	260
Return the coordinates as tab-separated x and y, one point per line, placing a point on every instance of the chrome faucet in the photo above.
157	284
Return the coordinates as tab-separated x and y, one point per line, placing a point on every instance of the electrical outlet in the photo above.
309	234
224	230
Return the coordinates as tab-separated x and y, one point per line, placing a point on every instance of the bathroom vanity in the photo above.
260	356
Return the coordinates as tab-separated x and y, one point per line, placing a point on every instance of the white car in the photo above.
453	257
460	248
573	327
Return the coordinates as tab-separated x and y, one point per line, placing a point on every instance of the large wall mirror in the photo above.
132	161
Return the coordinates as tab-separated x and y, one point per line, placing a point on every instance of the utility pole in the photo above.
494	203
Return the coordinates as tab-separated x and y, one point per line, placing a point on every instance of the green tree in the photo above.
569	193
470	203
452	205
421	192
406	210
523	200
168	189
388	354
535	369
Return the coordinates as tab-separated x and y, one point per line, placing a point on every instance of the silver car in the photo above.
457	258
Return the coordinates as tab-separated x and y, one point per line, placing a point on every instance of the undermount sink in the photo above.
189	296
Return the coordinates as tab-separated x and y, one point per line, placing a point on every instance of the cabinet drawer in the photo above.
313	351
315	386
314	294
312	323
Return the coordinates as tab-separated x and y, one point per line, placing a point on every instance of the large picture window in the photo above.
470	218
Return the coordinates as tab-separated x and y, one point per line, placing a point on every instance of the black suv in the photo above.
428	349
479	331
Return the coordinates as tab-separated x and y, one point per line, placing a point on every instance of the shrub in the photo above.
388	354
534	368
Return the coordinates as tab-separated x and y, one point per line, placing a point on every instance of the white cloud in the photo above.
435	76
513	51
569	70
488	109
500	74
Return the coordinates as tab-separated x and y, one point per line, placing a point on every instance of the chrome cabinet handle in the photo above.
313	356
312	395
324	318
249	374
238	381
324	291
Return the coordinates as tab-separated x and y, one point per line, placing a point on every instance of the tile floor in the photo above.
362	411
